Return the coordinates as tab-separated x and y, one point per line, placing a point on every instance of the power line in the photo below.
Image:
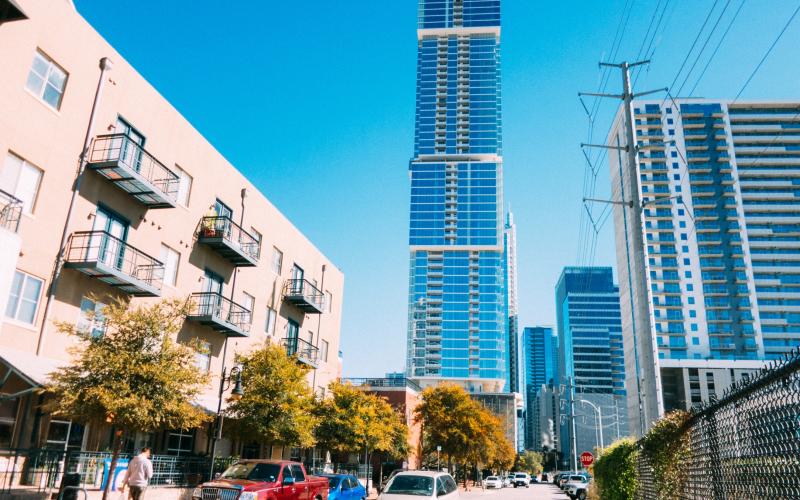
705	44
767	53
691	49
716	49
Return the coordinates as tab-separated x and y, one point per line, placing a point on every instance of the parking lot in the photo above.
545	491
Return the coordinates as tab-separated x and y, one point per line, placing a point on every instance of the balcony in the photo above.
239	247
10	211
115	262
221	314
304	296
122	161
305	352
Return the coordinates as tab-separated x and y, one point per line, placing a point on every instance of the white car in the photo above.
413	484
493	482
521	479
508	481
577	487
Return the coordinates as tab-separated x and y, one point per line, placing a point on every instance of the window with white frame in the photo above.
91	320
21	179
202	358
323	350
171	259
248	302
277	261
180	442
328	301
23	301
47	80
184	186
269	326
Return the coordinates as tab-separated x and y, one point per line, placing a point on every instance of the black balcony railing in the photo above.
221	314
305	351
304	295
10	211
114	261
124	162
230	240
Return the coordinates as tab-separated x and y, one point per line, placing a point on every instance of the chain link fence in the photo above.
745	445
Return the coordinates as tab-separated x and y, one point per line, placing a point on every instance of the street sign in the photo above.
587	459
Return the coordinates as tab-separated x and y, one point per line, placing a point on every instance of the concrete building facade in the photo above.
157	213
711	290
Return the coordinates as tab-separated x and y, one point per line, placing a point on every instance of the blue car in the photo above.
344	487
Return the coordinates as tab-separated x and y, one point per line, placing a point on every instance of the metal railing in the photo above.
309	292
383	382
215	305
225	228
10	211
305	351
43	469
745	445
125	152
101	247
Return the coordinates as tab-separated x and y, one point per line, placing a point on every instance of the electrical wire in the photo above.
716	49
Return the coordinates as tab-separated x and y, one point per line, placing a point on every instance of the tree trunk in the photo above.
118	435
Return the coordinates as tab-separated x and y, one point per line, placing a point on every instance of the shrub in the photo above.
667	448
615	471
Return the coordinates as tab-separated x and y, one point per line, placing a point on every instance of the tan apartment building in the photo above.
157	212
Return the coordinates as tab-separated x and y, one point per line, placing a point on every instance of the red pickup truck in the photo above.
264	480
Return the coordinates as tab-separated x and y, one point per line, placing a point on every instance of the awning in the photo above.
10	11
21	372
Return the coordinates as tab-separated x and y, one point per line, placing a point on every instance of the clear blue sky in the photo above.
314	101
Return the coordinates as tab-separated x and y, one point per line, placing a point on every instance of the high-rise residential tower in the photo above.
714	288
591	359
457	293
540	355
510	249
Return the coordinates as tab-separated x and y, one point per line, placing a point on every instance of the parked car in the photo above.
574	479
493	482
521	479
557	477
577	486
563	478
261	479
411	485
545	477
344	487
508	481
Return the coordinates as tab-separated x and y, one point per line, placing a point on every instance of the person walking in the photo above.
140	470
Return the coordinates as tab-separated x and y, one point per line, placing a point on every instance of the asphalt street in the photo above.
535	492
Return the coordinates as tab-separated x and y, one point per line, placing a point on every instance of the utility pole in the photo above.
571	391
634	237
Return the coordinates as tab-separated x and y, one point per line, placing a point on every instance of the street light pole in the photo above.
235	376
599	420
438	450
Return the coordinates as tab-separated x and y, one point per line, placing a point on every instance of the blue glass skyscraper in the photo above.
457	304
540	354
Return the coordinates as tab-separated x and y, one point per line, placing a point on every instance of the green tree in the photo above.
615	471
277	404
666	446
530	462
135	376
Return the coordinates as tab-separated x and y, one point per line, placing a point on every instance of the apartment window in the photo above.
47	80
180	442
184	186
277	260
272	316
202	358
328	301
21	179
171	259
248	301
91	320
323	350
23	301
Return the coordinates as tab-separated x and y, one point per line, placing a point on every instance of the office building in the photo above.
709	257
591	359
158	213
457	294
540	354
508	407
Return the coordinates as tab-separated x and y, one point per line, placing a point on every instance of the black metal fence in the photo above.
745	445
43	469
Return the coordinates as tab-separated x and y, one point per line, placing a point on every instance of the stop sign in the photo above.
587	459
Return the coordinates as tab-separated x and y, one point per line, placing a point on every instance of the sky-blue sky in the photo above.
314	101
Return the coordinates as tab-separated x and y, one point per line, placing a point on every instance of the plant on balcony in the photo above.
135	377
277	404
208	223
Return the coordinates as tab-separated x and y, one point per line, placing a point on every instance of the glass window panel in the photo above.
171	260
277	260
16	291
270	324
47	80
